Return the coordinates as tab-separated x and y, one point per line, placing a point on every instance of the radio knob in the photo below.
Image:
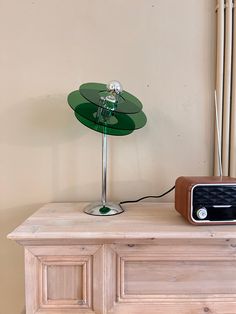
201	213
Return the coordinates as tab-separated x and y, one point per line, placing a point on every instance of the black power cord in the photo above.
149	196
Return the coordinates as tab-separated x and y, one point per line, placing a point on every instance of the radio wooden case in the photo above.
206	200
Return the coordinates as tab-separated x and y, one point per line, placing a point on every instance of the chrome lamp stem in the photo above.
104	169
104	208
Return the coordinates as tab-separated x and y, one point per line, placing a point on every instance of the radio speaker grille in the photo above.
214	195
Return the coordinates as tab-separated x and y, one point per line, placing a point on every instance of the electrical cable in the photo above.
149	196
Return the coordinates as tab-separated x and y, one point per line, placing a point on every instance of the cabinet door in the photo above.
177	277
63	279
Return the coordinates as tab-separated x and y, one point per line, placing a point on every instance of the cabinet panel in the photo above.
61	279
64	282
182	272
145	277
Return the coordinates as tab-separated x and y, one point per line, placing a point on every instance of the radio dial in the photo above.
201	213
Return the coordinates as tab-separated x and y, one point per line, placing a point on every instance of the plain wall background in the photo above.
163	51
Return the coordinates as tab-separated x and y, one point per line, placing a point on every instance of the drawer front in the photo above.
148	277
192	275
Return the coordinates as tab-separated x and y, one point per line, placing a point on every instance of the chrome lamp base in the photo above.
100	209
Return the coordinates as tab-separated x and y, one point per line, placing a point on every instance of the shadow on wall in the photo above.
44	126
42	121
11	256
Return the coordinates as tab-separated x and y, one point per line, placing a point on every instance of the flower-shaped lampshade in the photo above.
109	110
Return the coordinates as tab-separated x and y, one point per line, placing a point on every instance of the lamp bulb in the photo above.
114	87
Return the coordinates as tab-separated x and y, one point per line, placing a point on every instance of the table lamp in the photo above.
110	110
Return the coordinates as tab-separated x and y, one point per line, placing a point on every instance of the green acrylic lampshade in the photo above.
126	103
101	128
120	119
102	119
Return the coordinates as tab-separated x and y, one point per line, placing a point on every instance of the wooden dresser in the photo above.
148	260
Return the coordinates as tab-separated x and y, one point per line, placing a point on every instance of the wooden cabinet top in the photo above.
148	221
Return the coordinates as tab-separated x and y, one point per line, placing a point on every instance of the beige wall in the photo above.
163	51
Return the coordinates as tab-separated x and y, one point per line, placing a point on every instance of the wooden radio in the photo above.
206	200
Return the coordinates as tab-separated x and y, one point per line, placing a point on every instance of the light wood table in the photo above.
148	260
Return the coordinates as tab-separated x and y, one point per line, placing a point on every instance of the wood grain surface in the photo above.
139	221
148	260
